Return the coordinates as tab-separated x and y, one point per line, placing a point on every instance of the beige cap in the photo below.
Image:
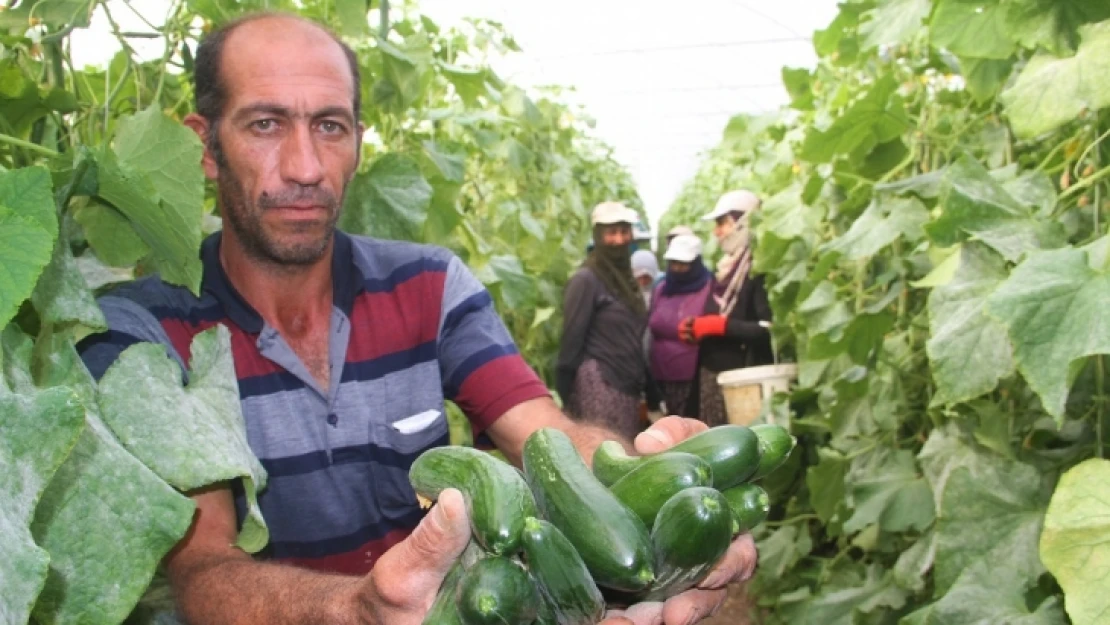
742	201
679	230
613	213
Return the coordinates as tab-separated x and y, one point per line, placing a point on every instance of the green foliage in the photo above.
99	182
934	241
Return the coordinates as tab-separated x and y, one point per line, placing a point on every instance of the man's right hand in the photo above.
404	582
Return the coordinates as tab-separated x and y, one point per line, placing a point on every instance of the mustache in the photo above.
299	195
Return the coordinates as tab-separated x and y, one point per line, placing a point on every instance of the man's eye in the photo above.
264	125
331	127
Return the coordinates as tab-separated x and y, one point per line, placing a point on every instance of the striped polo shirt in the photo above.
410	326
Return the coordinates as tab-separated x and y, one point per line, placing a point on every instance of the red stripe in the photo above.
181	334
495	387
356	562
388	322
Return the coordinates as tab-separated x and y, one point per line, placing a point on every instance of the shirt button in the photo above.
333	419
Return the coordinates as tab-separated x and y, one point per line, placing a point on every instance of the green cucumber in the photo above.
775	445
611	539
647	487
732	451
561	575
611	462
497	497
444	610
691	533
497	591
749	504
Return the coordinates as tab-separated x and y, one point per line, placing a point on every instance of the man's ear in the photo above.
202	127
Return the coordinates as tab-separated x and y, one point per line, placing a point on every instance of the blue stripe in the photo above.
403	273
99	351
344	544
194	315
475	303
316	460
473	363
390	363
269	384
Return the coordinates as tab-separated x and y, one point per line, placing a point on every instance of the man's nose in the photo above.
300	162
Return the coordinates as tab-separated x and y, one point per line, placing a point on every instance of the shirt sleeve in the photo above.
128	323
482	370
749	329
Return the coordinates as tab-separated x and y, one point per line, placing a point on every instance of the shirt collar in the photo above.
347	281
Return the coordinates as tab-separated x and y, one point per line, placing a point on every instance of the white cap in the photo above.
644	264
678	230
742	201
684	248
640	231
613	213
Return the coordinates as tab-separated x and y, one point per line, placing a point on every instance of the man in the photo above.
344	349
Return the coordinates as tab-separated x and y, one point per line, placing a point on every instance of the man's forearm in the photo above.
241	591
587	438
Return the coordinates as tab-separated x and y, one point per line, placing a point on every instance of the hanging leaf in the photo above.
877	117
972	28
968	349
886	220
1052	24
1052	306
160	420
894	22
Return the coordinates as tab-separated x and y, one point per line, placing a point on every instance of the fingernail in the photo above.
659	436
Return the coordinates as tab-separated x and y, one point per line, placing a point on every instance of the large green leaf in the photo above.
1052	24
879	116
1052	91
987	594
56	13
191	436
968	349
825	481
992	516
1053	307
844	605
894	22
62	297
389	201
36	434
886	220
110	234
173	239
972	28
169	154
1075	544
517	289
28	192
975	204
887	489
106	520
24	252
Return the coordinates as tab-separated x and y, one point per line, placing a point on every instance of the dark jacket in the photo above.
598	326
745	343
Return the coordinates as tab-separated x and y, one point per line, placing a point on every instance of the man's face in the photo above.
289	141
616	235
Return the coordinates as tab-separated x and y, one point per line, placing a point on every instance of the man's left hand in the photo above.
737	565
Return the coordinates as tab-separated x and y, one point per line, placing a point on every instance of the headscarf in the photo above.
689	281
612	264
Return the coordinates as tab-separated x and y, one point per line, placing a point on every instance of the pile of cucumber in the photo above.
557	542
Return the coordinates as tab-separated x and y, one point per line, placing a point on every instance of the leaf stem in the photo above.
1086	183
791	521
27	145
1100	404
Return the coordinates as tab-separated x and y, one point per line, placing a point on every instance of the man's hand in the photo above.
737	565
404	581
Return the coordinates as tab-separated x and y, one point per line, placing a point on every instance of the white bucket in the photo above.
747	389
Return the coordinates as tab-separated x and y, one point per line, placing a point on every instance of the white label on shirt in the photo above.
417	422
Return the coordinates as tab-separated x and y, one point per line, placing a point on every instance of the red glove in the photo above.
686	330
708	325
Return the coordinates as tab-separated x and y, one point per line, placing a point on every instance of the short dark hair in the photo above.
209	89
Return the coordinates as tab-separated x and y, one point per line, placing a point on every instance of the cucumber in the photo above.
732	451
611	462
775	445
647	487
691	533
444	610
561	575
497	497
749	504
497	591
611	539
